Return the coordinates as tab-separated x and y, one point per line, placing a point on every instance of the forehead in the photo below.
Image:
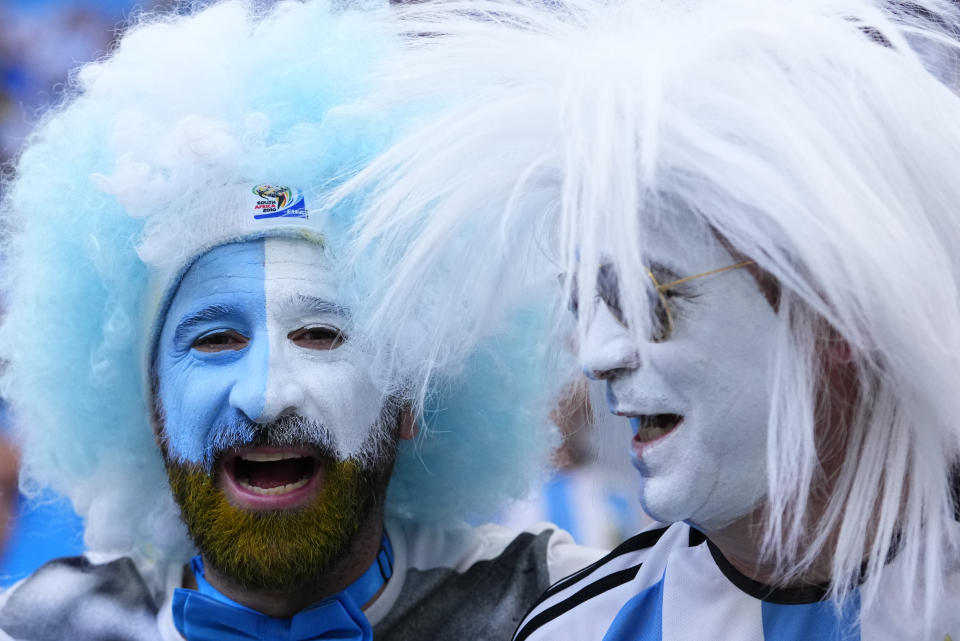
263	268
684	245
671	247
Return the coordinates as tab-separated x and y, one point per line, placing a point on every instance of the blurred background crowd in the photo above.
41	43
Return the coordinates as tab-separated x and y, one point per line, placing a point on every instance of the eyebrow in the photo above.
301	302
660	270
205	315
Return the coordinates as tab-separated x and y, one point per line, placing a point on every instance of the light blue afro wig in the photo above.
113	188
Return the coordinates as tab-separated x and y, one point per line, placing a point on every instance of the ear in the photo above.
837	350
840	352
408	424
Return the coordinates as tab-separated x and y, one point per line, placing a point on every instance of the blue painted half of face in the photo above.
222	292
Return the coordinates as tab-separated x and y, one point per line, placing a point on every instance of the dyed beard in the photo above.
290	549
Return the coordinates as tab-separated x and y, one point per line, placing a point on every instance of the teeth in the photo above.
262	457
280	489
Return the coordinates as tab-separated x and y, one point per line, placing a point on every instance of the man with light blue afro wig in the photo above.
258	449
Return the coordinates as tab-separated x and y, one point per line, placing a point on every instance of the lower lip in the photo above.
243	497
640	447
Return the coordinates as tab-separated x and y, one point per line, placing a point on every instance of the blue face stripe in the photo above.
808	621
206	397
641	618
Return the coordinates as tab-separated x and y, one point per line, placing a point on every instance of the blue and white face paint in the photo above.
255	333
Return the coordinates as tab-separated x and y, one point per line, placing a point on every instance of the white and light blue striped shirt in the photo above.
672	584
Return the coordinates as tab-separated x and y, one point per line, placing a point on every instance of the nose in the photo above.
265	389
608	349
283	396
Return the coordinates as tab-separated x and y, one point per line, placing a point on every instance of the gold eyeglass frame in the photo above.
662	289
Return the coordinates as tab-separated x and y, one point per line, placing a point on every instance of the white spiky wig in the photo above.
137	172
819	138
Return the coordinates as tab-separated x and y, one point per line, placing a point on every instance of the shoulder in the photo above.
585	604
467	582
74	598
460	547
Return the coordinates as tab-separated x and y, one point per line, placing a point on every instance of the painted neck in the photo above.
362	551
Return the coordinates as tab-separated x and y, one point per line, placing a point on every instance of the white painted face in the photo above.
699	401
256	331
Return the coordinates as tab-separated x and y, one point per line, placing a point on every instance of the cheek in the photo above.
341	389
192	398
735	395
726	354
342	396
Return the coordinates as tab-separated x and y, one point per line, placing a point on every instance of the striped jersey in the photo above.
672	584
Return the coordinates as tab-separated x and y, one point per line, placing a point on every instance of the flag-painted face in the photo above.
698	401
255	332
275	436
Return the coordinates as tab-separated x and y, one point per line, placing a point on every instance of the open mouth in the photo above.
650	427
266	477
273	473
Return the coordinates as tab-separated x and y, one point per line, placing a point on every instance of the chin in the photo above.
667	502
700	509
671	498
277	549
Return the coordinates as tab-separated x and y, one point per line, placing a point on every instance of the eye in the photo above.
662	327
220	341
666	311
317	337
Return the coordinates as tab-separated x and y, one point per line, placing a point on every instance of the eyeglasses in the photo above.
609	292
664	314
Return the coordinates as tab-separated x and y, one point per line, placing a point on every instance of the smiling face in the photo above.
277	442
699	400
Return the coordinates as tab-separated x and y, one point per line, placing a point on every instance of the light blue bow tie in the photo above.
199	617
206	615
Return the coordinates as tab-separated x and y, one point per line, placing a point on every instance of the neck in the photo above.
286	602
741	543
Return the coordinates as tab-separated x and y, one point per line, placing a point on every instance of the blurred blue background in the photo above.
41	41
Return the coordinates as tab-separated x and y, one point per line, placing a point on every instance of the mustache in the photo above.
289	430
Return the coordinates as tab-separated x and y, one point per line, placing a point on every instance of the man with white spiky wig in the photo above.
200	369
754	204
